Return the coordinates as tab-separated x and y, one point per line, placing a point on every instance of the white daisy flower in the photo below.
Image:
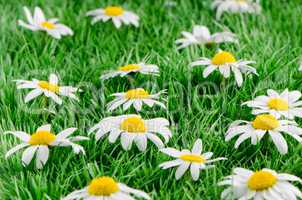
132	128
116	13
106	188
236	6
226	62
186	159
286	104
265	184
202	36
38	22
132	68
262	124
39	142
135	97
49	88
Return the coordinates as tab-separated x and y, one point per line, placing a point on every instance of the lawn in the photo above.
197	107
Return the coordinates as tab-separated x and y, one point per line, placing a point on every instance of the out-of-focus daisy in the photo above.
202	36
49	88
106	188
300	66
236	6
170	4
39	142
286	104
135	97
265	184
38	22
132	128
262	124
186	159
132	68
225	62
116	13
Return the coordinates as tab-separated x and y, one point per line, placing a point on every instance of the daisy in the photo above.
201	35
286	104
132	68
265	184
186	159
106	188
135	97
236	6
39	142
49	88
116	13
38	22
261	125
226	62
132	128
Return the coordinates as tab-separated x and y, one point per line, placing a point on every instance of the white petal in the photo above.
197	148
53	79
181	170
126	141
233	131
138	105
141	142
38	15
241	139
114	134
28	154
28	26
195	171
55	97
288	177
28	15
208	70
117	22
42	156
169	164
14	149
171	152
238	76
65	133
32	94
279	141
45	127
225	70
136	192
156	140
115	103
20	134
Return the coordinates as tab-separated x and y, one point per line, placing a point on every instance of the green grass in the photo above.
197	107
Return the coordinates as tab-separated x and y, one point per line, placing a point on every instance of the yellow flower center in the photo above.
133	125
114	11
102	186
42	138
48	86
261	180
48	25
277	104
222	58
136	94
193	158
130	67
265	122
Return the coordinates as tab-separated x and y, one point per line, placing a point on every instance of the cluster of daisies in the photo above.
120	16
274	115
